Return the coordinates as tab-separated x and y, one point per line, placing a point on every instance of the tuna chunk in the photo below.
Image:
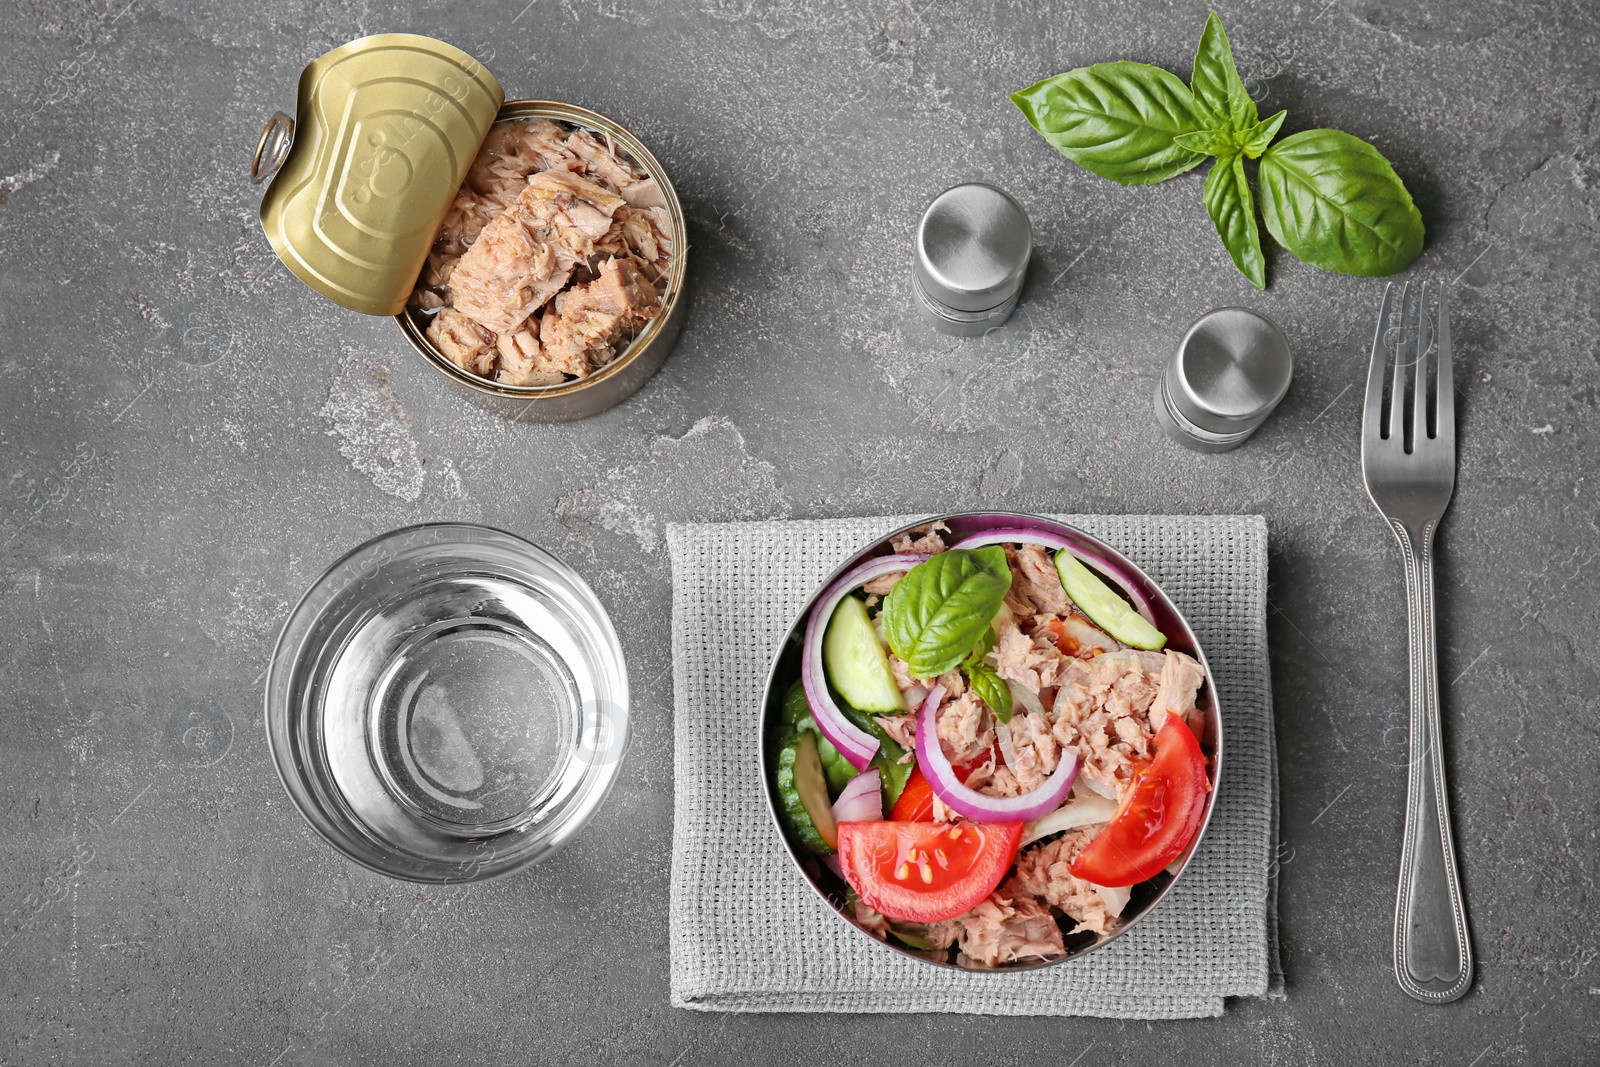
965	728
1042	872
567	212
463	342
924	540
601	163
507	275
1036	749
584	324
1035	585
903	728
1031	661
1181	677
881	585
1006	928
1102	708
522	359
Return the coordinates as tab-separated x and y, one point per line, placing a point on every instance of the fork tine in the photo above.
1402	360
1419	388
1372	411
1445	395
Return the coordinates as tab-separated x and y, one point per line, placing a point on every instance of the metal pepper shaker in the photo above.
1231	369
973	247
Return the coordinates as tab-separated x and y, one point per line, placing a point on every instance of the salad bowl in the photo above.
811	675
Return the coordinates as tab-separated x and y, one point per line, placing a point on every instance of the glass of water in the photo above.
447	703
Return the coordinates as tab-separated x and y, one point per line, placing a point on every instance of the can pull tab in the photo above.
273	151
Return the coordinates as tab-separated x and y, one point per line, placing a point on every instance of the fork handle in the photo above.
1432	954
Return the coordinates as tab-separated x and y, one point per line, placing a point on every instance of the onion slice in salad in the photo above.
861	800
1106	569
974	805
853	743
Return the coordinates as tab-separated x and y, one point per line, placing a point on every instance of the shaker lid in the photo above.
1231	369
973	246
387	127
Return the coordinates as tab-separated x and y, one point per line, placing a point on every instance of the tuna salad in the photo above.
552	257
990	745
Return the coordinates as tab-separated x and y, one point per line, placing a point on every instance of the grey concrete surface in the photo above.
189	437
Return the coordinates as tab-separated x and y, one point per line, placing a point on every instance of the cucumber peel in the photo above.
803	794
1104	607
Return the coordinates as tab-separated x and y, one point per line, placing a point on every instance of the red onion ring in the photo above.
1107	569
853	743
974	805
861	799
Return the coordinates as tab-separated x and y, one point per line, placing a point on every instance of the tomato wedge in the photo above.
1158	817
925	872
916	800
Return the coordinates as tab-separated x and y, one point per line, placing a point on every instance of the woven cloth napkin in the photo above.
747	933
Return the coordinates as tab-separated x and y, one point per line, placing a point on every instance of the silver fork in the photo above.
1408	459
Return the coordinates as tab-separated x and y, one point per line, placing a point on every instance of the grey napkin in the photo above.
747	934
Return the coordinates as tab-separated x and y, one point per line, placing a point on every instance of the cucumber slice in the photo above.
803	794
856	663
1104	606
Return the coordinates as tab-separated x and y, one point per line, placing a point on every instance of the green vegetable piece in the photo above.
1105	608
1254	141
892	773
992	689
856	663
938	611
1233	213
796	717
1117	120
1219	93
803	794
1335	202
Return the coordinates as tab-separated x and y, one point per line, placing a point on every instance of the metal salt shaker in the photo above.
1231	369
973	246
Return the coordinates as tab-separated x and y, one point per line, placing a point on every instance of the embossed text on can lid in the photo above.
387	127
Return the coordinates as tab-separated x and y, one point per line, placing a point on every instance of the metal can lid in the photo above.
387	128
973	245
1231	369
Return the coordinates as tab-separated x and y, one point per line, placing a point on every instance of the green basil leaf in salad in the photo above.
992	689
1233	213
981	649
1210	142
1335	202
1117	120
1254	141
938	612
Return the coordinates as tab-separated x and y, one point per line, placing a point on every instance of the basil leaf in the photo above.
1335	202
938	611
1116	120
991	689
1233	213
1218	91
1254	141
1209	142
981	649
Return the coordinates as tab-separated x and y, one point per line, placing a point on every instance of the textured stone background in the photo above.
189	437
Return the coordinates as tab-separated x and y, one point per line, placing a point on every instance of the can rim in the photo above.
513	110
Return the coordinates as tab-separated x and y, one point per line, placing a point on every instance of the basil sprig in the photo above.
940	610
1330	198
992	689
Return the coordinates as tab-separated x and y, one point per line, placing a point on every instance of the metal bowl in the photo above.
786	668
622	377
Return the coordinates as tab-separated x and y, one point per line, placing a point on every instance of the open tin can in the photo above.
388	127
